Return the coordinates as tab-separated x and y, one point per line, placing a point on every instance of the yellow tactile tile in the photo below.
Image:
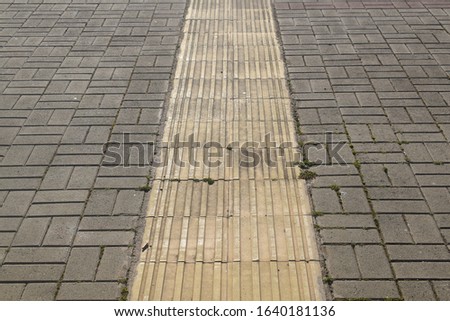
234	230
279	280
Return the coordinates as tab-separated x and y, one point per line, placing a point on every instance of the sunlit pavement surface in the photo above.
230	231
84	83
74	76
376	75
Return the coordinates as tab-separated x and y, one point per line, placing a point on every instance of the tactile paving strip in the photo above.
229	232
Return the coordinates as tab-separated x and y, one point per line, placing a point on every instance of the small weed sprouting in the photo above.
122	281
328	280
317	213
335	188
307	175
124	294
209	180
306	164
298	130
144	188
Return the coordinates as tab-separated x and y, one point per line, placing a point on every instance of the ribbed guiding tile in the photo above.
226	239
227	163
228	218
236	131
243	220
226	110
270	280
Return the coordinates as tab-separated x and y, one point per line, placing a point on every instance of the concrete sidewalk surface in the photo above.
368	101
74	77
375	74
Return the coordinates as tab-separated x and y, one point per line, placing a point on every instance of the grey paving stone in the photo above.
3	253
11	292
6	238
60	196
61	117
423	229
442	220
104	238
8	134
400	175
373	262
114	264
17	184
422	270
9	223
345	221
98	135
121	183
41	155
82	177
341	262
128	202
442	289
39	292
394	193
374	175
31	232
326	201
418	252
16	203
82	264
37	255
341	181
438	199
74	135
61	231
446	234
108	223
400	206
417	152
56	209
56	178
89	291
31	272
101	202
416	290
394	229
365	290
350	236
354	200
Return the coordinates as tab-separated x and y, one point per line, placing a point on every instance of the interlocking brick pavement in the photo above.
376	75
74	76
